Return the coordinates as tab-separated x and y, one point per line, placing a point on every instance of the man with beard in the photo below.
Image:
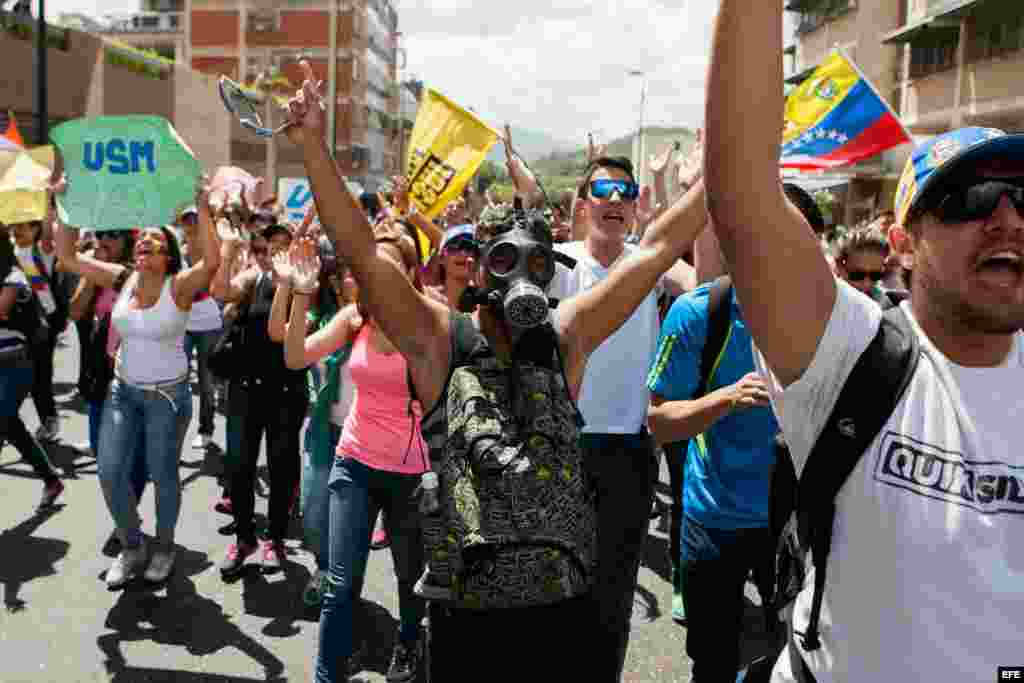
923	573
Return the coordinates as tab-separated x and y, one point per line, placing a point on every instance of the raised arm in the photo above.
587	319
99	273
277	326
301	351
229	285
775	262
190	281
81	300
418	326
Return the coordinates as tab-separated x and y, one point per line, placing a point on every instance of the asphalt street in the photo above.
61	624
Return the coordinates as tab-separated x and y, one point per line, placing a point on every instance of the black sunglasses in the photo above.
859	275
977	199
464	245
107	234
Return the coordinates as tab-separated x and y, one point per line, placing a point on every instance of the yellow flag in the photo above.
24	176
817	96
448	145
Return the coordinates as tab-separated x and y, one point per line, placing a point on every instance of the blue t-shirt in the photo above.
727	467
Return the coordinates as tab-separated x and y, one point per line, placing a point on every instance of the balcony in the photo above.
813	14
147	22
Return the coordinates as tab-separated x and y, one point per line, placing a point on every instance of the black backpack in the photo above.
867	400
28	317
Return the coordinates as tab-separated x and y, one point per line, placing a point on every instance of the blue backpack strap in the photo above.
865	403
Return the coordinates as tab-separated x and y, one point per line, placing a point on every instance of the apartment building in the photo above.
858	27
962	64
941	64
349	43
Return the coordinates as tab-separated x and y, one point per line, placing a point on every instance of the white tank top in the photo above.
152	339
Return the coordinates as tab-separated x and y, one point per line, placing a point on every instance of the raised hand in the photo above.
305	263
646	210
691	168
282	265
659	162
523	181
306	110
401	193
594	152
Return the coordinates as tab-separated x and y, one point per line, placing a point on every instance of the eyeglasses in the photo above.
977	199
107	234
604	188
466	246
860	275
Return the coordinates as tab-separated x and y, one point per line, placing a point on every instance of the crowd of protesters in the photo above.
499	384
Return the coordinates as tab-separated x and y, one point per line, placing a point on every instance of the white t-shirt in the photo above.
926	575
204	316
9	336
28	264
614	395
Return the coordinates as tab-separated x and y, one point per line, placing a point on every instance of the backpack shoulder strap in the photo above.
463	335
867	400
719	323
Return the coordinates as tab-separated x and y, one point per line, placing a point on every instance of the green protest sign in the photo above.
124	172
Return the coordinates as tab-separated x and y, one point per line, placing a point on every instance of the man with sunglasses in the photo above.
923	579
861	255
618	451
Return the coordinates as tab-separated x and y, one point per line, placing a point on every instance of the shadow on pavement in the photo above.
181	618
278	598
376	631
26	557
138	674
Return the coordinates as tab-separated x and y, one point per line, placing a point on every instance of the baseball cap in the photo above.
432	271
274	229
941	158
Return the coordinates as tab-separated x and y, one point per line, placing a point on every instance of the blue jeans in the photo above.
16	381
138	475
202	343
357	493
315	502
162	417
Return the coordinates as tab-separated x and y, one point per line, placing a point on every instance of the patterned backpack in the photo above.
517	525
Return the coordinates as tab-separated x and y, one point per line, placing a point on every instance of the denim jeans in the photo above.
357	494
255	409
202	343
162	417
16	381
623	469
715	565
315	502
138	476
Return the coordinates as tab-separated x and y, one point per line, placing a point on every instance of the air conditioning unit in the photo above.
262	23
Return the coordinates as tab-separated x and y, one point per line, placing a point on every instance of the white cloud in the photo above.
563	69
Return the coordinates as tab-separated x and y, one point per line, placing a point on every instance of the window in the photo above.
993	38
815	13
932	58
264	22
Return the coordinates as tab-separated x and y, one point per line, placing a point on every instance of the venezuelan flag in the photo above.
836	118
10	138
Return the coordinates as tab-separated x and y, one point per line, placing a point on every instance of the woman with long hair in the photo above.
150	390
378	463
93	305
17	367
454	265
269	399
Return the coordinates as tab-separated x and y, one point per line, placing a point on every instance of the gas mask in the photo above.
517	269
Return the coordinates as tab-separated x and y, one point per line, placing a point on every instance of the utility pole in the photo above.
42	108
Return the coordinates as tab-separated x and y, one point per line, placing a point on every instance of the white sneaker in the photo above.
202	441
85	448
161	564
126	566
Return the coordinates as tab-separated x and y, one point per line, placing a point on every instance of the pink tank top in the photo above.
377	428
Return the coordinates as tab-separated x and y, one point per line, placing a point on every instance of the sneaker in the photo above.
112	546
380	539
273	556
678	603
405	661
202	441
313	595
85	448
161	564
48	430
126	567
223	506
234	558
427	589
50	493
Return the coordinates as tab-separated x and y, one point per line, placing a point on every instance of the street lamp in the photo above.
42	108
639	165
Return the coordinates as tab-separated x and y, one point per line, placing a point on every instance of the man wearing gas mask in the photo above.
511	539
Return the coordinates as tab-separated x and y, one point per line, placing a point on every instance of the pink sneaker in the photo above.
223	506
273	556
379	539
234	559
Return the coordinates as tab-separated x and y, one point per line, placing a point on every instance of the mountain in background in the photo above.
531	145
655	139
